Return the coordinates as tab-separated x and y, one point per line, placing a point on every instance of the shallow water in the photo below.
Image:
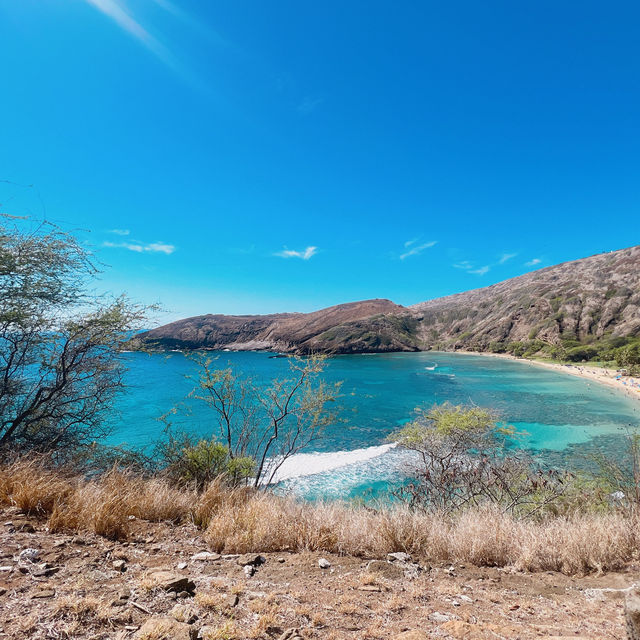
559	412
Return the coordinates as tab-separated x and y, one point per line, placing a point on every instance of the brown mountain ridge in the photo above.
573	306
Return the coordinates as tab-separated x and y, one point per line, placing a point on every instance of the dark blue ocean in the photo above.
559	412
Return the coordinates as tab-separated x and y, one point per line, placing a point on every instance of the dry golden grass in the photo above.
239	521
35	490
574	544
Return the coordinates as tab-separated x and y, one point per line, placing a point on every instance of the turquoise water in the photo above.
559	412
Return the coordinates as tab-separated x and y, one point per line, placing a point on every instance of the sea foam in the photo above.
310	464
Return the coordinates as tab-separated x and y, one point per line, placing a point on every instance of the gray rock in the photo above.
249	570
29	555
170	581
323	563
398	556
250	559
182	565
119	565
438	617
203	556
184	613
165	628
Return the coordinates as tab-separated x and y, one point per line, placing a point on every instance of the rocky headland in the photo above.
575	304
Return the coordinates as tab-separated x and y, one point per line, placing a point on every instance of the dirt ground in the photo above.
151	587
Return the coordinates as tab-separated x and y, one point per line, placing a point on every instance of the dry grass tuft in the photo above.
574	544
35	490
243	520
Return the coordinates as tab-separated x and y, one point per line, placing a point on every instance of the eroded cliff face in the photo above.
585	300
582	300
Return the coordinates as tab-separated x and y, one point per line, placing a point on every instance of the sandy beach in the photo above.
628	385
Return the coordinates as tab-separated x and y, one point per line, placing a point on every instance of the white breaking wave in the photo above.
310	464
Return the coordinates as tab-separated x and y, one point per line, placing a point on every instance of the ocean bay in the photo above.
379	393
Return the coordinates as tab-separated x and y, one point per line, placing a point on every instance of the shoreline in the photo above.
628	385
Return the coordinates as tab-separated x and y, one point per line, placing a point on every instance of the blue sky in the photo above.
250	157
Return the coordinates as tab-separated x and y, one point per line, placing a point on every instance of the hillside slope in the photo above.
571	306
357	327
583	301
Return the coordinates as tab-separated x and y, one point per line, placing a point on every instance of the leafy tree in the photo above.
60	363
464	459
262	424
629	357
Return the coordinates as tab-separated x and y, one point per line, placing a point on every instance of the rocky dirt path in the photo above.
165	584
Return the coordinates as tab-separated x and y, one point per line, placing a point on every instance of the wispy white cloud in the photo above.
309	104
138	247
309	252
120	232
506	256
480	271
533	263
193	23
117	11
416	249
470	267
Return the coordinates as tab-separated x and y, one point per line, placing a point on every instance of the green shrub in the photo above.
196	464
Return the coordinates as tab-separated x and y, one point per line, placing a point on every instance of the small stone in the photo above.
125	594
183	594
44	593
29	555
184	613
170	581
182	565
398	556
373	588
6	568
249	570
289	634
464	598
205	555
119	565
323	563
436	616
160	628
131	518
44	571
282	560
250	559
